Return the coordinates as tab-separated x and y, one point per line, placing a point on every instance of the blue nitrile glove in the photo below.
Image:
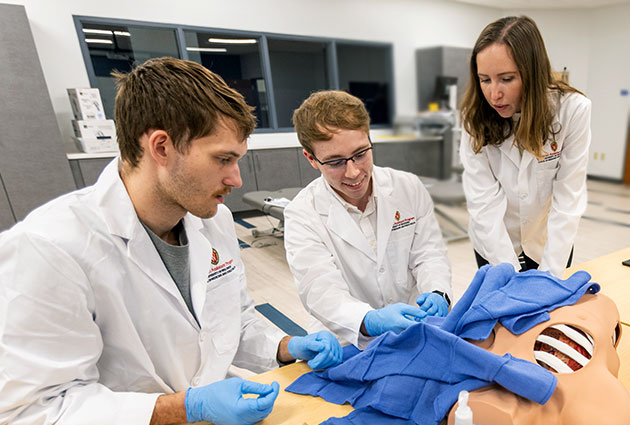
433	304
395	317
321	349
222	402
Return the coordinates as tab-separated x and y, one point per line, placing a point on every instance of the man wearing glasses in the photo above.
362	241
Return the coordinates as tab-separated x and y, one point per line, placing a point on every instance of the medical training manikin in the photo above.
578	344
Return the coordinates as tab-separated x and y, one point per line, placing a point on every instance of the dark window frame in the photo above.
332	69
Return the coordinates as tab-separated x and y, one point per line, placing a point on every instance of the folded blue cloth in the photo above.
415	377
519	301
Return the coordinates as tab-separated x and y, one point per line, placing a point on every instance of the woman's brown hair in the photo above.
526	45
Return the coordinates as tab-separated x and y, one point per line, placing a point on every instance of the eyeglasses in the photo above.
337	164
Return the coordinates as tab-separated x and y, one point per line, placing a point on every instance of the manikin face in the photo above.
196	181
500	79
352	180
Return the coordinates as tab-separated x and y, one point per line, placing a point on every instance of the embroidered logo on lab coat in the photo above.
552	156
397	216
401	224
215	257
220	270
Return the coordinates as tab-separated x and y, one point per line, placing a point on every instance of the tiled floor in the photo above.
604	228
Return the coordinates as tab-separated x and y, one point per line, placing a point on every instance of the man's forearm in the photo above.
170	409
283	355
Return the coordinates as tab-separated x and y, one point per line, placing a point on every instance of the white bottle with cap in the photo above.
463	414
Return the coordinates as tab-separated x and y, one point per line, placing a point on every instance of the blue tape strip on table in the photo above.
417	375
280	320
244	223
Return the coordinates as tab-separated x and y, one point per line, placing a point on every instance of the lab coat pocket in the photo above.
545	175
403	231
223	314
398	248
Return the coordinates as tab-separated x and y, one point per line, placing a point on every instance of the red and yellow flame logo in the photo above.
215	257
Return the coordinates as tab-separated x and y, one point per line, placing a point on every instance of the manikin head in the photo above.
588	391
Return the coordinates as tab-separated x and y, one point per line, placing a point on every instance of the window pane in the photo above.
365	71
237	60
121	47
298	68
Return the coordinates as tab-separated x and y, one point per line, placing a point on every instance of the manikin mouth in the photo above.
563	348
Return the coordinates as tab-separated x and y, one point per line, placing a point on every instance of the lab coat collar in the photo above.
511	151
122	221
338	219
385	210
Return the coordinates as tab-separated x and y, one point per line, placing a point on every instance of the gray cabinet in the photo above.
33	166
234	200
86	171
432	62
421	157
276	168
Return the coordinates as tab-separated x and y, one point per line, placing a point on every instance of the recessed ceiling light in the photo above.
233	40
98	41
122	33
95	31
207	49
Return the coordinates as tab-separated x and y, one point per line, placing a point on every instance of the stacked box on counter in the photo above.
95	135
93	132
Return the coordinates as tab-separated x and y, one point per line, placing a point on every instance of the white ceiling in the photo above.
544	4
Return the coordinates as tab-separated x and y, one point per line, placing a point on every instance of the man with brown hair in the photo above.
126	301
362	241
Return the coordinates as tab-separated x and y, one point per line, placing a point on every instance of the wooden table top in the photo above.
296	409
613	277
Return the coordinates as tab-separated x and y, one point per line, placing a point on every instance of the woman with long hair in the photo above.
524	151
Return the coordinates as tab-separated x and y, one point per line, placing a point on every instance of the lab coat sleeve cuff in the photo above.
359	339
138	408
363	341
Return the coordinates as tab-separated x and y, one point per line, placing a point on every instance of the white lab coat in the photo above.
93	328
339	276
519	204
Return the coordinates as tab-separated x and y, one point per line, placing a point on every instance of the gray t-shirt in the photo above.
176	259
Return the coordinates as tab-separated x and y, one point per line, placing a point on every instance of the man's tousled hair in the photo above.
180	97
324	113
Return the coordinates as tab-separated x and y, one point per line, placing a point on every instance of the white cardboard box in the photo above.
95	129
86	104
95	145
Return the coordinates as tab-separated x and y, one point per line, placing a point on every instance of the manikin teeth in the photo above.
563	349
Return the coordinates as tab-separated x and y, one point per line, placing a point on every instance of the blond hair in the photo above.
326	112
